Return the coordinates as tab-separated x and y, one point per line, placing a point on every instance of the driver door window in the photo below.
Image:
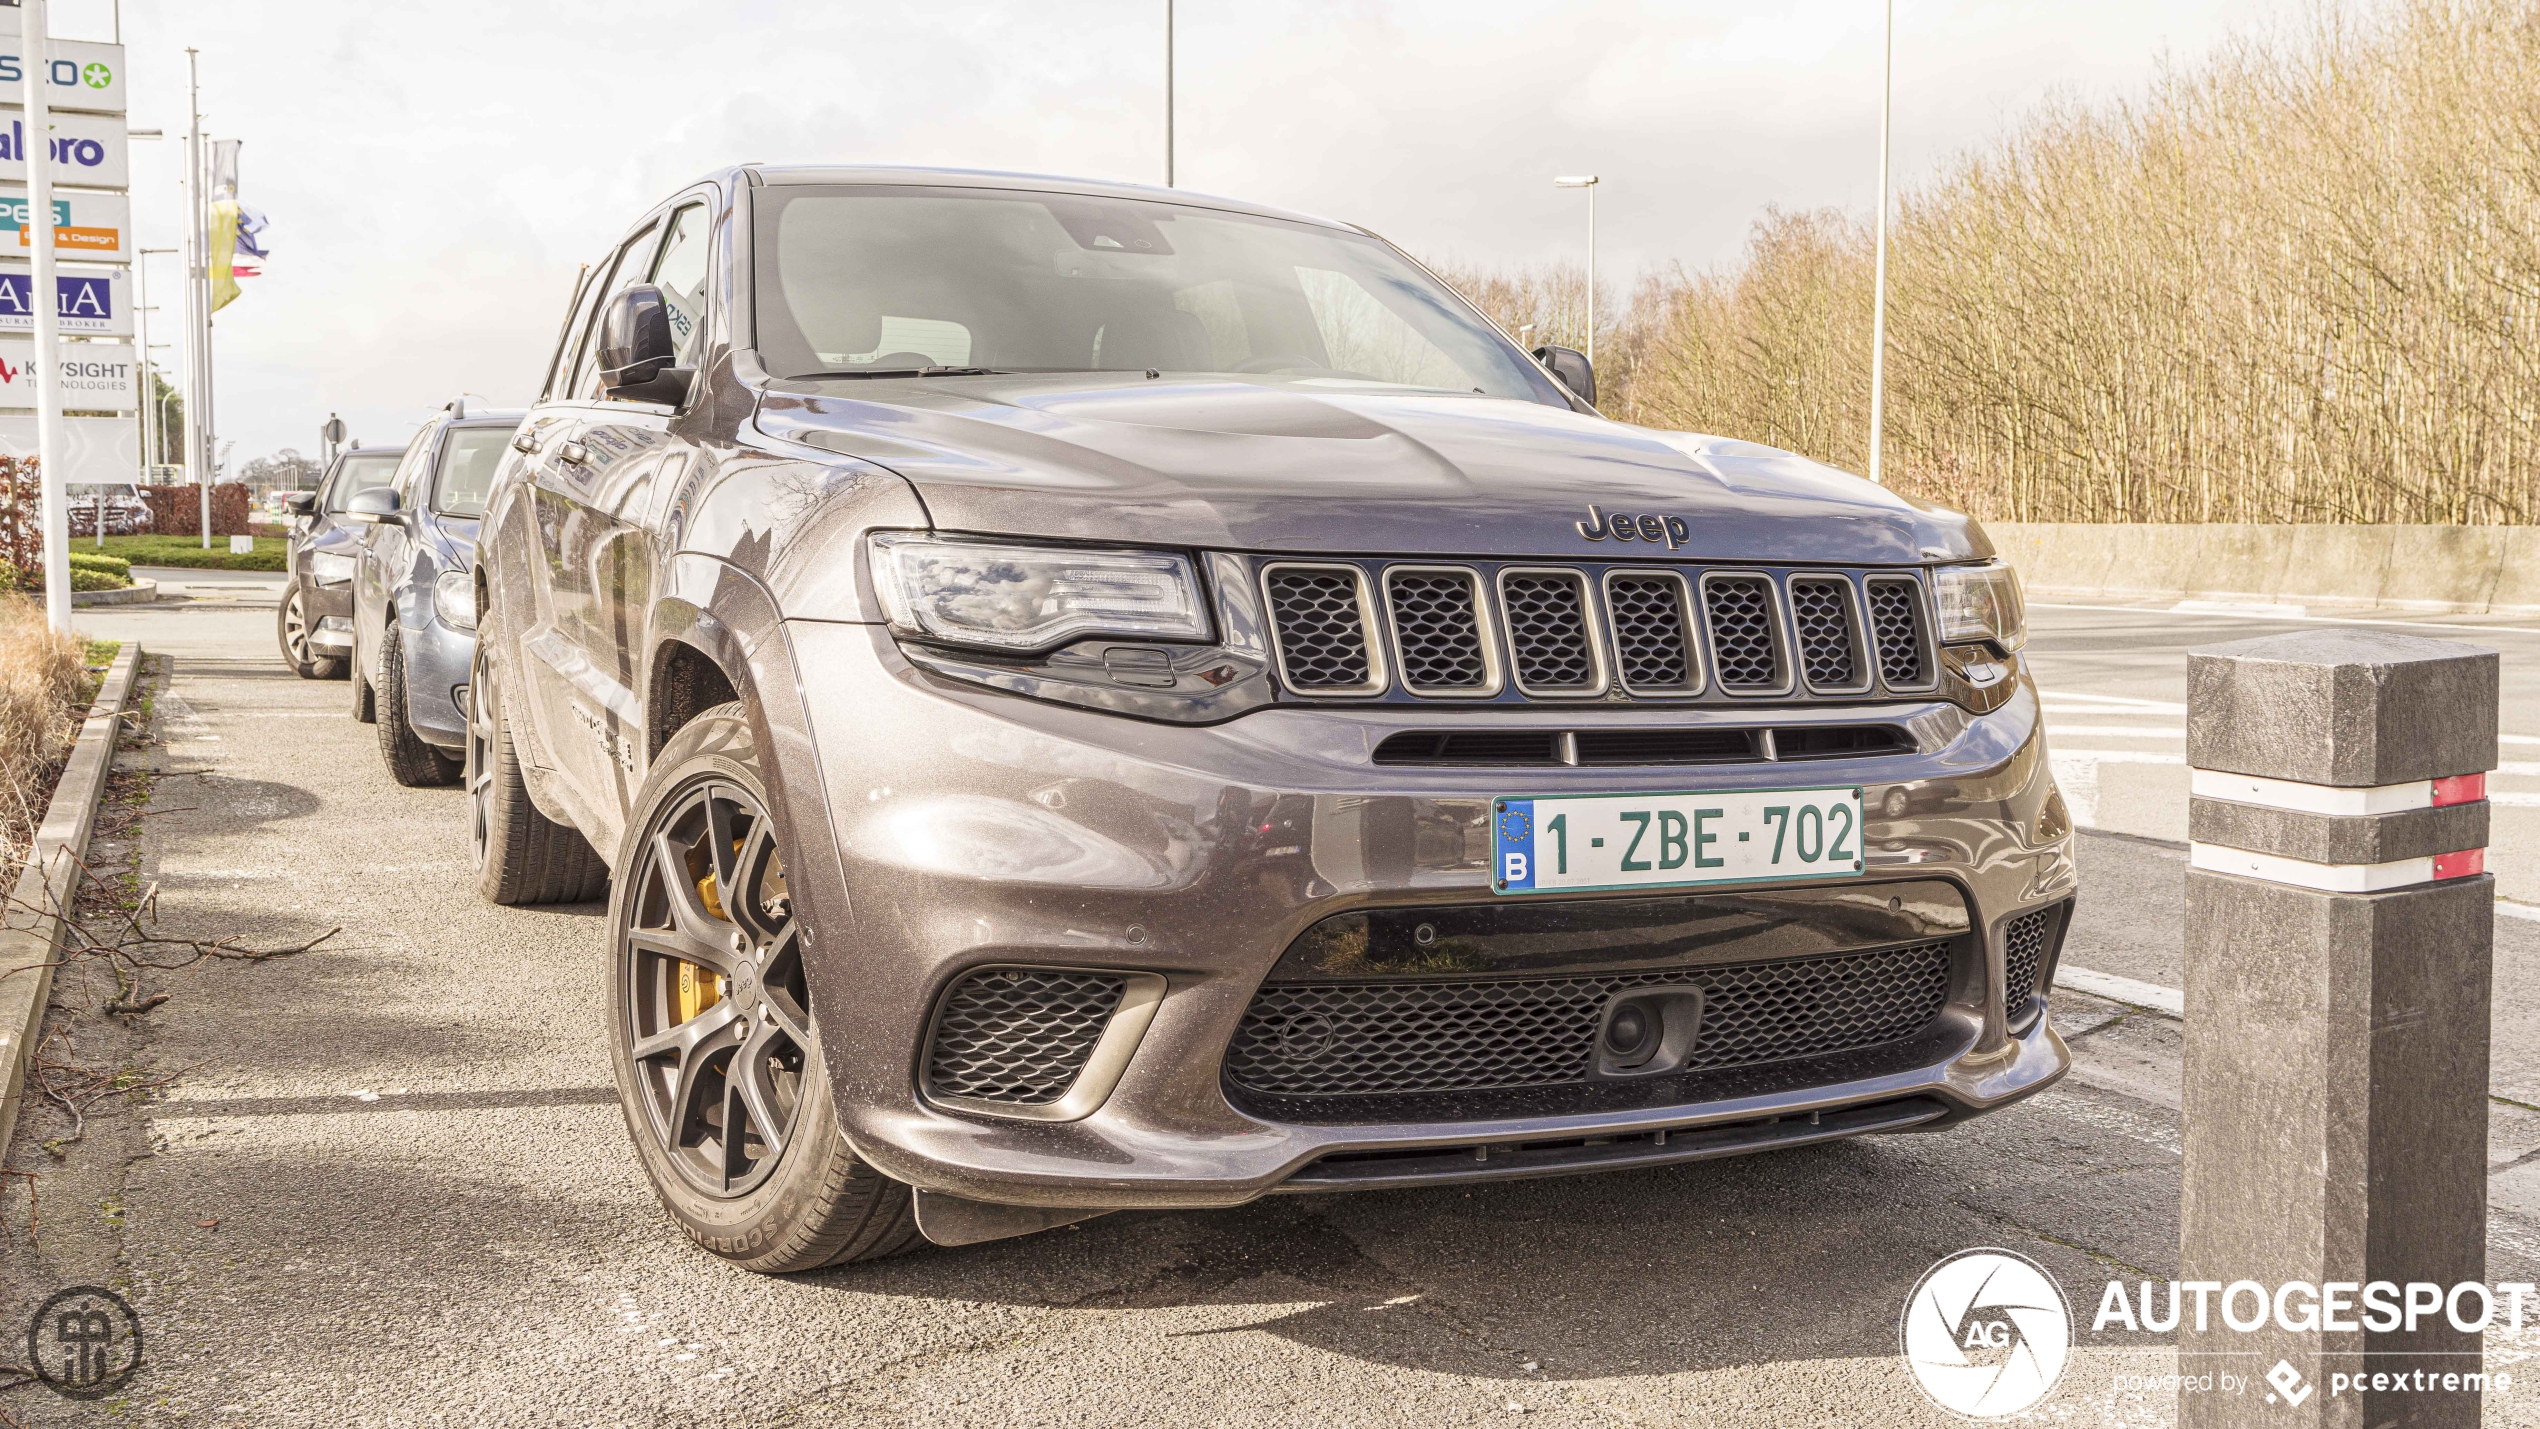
585	386
680	273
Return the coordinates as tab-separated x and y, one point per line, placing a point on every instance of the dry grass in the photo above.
43	687
2299	282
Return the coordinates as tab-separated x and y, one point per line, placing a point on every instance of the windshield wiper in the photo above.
908	372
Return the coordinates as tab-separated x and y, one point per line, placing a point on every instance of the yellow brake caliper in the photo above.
699	988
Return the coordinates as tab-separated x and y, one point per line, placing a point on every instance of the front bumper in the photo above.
943	827
438	659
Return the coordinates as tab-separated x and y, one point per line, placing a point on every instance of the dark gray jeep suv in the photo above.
1087	697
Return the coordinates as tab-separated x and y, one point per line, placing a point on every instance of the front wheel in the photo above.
411	761
718	1061
291	628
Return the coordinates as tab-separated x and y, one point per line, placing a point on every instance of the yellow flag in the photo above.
224	247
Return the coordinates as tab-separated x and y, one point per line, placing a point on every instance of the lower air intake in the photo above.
1019	1035
2023	956
1348	1039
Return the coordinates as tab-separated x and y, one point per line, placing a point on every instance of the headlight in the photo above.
1981	603
1032	597
330	568
454	600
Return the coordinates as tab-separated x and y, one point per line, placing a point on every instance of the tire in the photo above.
522	856
291	628
804	1199
411	761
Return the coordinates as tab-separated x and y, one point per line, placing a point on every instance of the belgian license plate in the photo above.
1578	842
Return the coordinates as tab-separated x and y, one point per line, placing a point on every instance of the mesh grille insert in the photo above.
1896	626
1437	630
2023	953
1822	612
1322	640
1471	746
1548	630
1019	1035
1648	616
1741	610
1346	1039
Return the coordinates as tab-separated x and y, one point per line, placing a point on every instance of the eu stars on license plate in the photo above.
1574	843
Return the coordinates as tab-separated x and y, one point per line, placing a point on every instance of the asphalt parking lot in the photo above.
386	1182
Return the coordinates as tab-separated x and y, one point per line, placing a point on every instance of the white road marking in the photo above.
2168	1001
2304	619
2115	731
2158	706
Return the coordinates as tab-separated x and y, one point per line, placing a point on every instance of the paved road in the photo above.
388	1186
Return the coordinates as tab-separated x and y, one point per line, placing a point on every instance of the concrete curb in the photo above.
2424	570
141	591
30	940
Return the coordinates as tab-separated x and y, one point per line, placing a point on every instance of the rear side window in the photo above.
680	273
469	457
358	474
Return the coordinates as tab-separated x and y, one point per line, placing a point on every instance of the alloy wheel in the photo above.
479	758
295	629
719	1015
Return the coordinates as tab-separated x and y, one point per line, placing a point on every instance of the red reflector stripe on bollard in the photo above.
2459	789
2461	864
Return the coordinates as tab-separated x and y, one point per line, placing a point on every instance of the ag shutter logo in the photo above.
84	1342
1986	1333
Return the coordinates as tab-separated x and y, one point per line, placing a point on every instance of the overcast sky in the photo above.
434	172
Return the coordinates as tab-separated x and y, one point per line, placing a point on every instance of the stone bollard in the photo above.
2340	926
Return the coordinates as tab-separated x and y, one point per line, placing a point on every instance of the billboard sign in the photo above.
85	75
96	377
89	150
87	227
91	304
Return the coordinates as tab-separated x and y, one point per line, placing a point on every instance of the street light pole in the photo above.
1878	298
1588	182
1168	93
198	344
37	150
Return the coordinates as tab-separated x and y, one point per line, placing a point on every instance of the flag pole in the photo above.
36	148
1878	300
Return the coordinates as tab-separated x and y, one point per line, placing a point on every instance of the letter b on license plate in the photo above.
1580	842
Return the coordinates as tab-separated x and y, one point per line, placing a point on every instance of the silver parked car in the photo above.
414	602
1087	697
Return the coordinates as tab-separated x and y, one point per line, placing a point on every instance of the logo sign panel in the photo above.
84	75
90	304
89	150
96	377
94	448
87	227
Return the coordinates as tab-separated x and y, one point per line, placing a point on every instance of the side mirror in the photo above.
299	503
636	349
1571	367
375	507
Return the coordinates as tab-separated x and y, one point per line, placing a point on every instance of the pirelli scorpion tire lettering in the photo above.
522	856
410	760
718	1066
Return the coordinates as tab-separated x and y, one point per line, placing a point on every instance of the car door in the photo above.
630	453
588	719
384	551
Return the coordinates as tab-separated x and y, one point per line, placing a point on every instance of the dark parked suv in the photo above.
1096	697
315	622
414	602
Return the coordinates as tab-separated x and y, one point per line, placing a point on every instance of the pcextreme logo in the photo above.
1986	1333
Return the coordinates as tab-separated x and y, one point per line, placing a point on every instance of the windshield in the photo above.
358	474
876	279
468	458
91	490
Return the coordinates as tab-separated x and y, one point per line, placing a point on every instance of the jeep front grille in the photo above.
1019	1036
1355	1039
1821	611
1513	632
1319	615
1552	646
